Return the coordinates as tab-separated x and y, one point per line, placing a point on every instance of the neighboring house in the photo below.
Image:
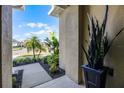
16	43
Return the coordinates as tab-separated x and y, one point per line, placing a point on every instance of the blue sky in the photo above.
34	20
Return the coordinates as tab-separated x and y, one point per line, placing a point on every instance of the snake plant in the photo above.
99	44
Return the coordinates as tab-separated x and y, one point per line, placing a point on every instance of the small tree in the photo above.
32	44
52	43
40	48
53	46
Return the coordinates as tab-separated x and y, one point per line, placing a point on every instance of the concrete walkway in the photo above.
33	75
62	82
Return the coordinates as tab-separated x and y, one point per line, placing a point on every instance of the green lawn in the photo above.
17	48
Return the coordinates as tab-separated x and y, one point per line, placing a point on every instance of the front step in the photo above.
62	82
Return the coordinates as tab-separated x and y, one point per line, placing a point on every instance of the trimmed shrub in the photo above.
14	82
53	61
38	59
49	60
27	60
22	60
53	68
44	59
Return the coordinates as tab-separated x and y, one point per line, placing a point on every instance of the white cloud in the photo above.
38	25
44	31
32	25
41	25
38	33
19	26
47	27
16	36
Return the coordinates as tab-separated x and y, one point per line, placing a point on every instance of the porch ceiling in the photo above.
56	10
19	7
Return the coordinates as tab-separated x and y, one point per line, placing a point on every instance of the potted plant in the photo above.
95	72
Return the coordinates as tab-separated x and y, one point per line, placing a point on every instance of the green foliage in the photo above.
41	48
99	44
38	59
54	64
49	60
22	60
13	79
53	46
52	43
18	60
34	44
25	60
53	68
17	48
53	61
44	59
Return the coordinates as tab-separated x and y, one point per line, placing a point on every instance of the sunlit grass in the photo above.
17	48
31	55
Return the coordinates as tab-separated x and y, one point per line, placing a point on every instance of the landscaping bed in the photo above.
17	79
42	61
60	72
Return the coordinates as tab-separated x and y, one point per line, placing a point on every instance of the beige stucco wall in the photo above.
70	43
6	46
74	32
62	34
115	56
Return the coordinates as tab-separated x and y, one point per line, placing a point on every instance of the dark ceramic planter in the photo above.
94	78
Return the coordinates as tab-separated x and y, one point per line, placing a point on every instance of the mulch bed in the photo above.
60	72
22	64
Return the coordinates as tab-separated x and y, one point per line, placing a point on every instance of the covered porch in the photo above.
73	33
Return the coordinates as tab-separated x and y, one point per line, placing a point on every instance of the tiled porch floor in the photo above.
62	82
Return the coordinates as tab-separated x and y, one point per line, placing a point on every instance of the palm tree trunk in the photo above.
34	53
39	54
33	50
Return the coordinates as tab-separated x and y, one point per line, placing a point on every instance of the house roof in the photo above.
15	41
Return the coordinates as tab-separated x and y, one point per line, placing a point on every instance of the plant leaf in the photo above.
113	40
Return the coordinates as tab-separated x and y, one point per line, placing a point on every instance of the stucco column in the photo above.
6	46
71	35
71	29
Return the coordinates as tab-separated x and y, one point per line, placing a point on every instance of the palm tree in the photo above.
40	48
48	44
32	44
53	46
52	43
